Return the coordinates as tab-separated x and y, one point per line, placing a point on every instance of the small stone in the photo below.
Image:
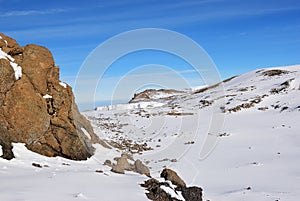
99	171
107	163
36	165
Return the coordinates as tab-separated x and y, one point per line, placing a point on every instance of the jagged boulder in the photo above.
172	176
36	108
173	189
123	164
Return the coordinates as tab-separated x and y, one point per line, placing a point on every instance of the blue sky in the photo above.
239	35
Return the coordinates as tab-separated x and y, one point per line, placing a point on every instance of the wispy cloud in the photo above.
32	12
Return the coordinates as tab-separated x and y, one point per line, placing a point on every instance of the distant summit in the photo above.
153	94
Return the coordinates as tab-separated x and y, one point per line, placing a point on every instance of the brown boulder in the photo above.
9	45
7	78
37	110
172	176
37	71
25	112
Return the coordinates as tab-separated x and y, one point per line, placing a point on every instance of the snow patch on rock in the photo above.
63	84
17	69
15	66
86	133
47	96
4	40
172	192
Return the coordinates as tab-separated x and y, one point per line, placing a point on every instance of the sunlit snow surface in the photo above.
256	158
61	179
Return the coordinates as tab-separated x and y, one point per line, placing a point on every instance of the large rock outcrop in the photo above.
36	108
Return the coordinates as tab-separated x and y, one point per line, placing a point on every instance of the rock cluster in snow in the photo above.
123	164
172	189
35	108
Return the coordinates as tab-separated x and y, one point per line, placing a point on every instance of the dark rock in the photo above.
7	147
274	72
36	165
107	163
155	192
193	193
248	188
284	108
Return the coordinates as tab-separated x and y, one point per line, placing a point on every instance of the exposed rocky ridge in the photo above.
238	92
37	109
153	94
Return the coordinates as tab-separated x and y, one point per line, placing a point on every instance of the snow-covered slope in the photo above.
256	156
258	146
